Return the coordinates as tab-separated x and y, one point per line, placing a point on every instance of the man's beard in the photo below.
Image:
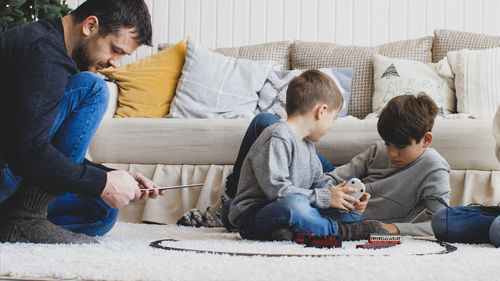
81	56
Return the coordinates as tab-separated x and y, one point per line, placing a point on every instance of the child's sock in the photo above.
359	230
282	234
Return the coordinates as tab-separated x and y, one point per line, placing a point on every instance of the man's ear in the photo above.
427	139
90	26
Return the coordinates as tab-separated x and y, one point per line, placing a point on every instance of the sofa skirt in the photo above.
467	187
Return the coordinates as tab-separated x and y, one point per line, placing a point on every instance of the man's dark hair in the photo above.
407	117
116	14
310	88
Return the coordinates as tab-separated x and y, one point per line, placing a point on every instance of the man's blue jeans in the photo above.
469	224
258	124
296	212
80	112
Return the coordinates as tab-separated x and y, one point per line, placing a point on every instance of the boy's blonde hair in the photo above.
310	88
407	117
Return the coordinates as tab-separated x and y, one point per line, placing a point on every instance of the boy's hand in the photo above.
391	228
340	200
363	201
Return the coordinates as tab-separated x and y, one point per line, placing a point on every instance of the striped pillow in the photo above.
476	81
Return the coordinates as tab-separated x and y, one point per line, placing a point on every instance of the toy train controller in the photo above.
358	185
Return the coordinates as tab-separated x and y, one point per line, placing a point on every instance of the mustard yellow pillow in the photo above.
147	86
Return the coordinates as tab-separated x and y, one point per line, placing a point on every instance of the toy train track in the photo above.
158	244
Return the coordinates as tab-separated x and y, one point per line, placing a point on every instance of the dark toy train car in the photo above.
319	241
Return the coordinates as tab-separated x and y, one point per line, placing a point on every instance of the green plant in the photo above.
20	12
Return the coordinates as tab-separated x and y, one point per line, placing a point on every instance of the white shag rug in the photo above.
125	254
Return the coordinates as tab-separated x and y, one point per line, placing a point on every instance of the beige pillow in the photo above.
395	77
275	51
450	40
477	81
305	55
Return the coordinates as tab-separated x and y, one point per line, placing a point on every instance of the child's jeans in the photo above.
469	224
80	112
296	212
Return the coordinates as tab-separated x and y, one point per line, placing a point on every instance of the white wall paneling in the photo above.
326	20
380	22
227	23
308	20
291	19
344	14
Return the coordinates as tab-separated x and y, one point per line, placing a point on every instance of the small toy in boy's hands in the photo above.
172	187
318	241
358	185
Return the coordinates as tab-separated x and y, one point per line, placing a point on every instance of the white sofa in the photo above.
182	151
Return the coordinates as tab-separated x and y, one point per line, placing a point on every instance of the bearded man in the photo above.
52	104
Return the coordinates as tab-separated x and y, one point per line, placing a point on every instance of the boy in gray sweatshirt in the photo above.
405	177
282	189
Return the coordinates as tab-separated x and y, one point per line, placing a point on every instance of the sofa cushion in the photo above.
323	54
476	81
147	86
465	144
167	141
449	40
275	51
395	77
272	96
216	86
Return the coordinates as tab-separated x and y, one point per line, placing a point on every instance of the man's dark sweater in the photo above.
34	71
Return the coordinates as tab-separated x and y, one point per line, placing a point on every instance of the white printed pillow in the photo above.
477	81
272	97
216	86
395	77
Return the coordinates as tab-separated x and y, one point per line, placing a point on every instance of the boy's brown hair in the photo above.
407	117
310	88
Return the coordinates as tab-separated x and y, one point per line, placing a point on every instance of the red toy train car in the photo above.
319	241
377	245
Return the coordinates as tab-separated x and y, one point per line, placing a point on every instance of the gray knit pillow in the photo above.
450	40
306	55
275	51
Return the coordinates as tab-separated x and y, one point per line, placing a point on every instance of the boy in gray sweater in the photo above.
405	177
282	189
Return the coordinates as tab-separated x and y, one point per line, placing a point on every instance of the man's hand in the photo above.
120	189
340	200
146	183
